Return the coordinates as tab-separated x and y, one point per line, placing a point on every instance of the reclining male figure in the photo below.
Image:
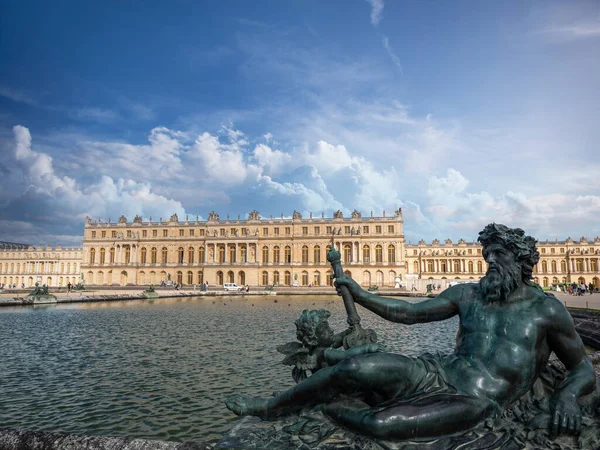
507	329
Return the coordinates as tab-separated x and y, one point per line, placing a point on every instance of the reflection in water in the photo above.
161	369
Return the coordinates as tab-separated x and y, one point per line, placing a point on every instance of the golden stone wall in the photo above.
25	265
282	251
257	251
560	261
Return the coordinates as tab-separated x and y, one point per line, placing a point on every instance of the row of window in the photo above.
29	281
268	255
275	278
579	266
580	280
42	267
329	229
447	266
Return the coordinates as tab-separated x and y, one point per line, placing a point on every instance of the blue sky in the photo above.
462	113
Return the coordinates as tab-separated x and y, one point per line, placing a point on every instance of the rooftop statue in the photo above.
508	328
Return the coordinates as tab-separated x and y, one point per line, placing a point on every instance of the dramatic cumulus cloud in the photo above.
175	172
50	202
455	210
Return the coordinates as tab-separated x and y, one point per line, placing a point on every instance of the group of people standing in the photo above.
580	289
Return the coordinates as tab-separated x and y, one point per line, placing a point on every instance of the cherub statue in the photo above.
318	345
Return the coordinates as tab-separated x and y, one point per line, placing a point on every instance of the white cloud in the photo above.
66	198
386	44
17	96
376	11
572	32
455	210
95	114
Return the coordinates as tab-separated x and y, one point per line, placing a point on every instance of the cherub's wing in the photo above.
289	348
297	358
306	361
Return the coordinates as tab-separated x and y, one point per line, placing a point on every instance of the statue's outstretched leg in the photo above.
383	373
433	416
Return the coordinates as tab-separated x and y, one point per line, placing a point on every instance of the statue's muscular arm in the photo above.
442	307
581	380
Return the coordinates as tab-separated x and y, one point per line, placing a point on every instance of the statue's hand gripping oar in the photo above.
357	335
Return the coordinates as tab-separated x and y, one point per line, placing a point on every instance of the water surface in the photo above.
161	369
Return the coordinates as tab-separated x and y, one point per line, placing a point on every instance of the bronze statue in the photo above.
508	328
318	345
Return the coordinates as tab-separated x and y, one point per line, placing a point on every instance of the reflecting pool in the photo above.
161	369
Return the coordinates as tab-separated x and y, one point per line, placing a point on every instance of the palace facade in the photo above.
280	251
25	265
256	251
560	261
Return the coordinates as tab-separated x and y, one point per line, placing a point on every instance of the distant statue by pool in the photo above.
508	328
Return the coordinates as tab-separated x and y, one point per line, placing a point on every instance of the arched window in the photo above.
366	278
112	255
191	256
593	265
243	254
304	278
141	277
443	267
457	266
479	267
190	277
287	278
553	265
220	278
581	280
305	254
379	277
153	254
276	256
127	254
164	255
180	255
563	266
579	265
142	255
232	255
201	257
241	278
391	254
416	267
317	254
554	280
288	254
544	267
366	253
328	278
545	282
316	278
200	277
347	253
378	254
221	254
470	266
265	278
276	278
430	267
179	277
265	256
102	256
92	256
230	277
152	277
392	277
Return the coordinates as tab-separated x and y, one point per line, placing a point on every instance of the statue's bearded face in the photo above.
503	275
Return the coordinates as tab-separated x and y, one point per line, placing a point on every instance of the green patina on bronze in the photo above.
508	329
